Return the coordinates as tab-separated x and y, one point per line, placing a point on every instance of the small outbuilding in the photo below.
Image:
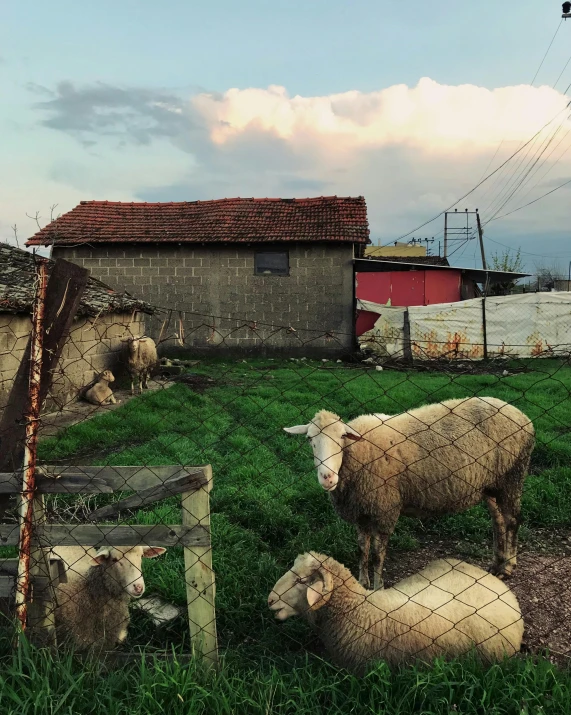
103	319
407	282
238	274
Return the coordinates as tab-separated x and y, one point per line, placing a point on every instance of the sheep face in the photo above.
122	567
107	375
305	587
327	435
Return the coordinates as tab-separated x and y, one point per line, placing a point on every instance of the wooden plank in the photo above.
8	567
7	586
199	575
99	535
189	483
65	485
43	576
97	480
63	296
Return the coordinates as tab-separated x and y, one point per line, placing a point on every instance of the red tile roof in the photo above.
329	218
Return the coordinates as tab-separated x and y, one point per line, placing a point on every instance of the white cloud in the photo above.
411	151
429	117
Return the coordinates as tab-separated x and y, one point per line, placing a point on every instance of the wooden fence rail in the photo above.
150	485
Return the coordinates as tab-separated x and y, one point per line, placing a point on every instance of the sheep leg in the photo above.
380	544
499	527
510	505
364	546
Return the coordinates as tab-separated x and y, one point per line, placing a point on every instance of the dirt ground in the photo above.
541	582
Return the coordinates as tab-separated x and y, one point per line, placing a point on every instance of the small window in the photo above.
271	263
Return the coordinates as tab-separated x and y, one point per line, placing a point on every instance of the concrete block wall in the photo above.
94	344
221	299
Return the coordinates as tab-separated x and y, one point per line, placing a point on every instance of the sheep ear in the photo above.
350	433
153	551
315	593
298	429
101	556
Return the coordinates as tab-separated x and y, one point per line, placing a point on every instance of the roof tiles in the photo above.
329	218
18	288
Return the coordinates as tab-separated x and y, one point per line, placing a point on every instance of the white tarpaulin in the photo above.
524	325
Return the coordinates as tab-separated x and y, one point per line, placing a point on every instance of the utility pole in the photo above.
481	238
456	232
445	234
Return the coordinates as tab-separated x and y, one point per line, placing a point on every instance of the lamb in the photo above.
444	610
100	393
433	460
141	359
92	610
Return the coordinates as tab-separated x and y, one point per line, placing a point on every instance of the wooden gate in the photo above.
148	485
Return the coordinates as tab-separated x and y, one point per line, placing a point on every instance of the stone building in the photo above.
236	274
104	317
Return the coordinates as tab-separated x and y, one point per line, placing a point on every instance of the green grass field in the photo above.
266	508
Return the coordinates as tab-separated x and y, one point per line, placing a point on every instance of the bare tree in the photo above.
508	262
547	274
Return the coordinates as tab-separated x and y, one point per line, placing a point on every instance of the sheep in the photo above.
100	393
433	460
142	358
444	610
92	606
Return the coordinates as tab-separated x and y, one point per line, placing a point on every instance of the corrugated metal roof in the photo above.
329	218
477	274
17	288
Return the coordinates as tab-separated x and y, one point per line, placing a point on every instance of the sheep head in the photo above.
305	587
327	435
122	567
107	375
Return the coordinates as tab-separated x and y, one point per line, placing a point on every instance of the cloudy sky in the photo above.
408	104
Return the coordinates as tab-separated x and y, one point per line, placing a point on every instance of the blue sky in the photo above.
124	101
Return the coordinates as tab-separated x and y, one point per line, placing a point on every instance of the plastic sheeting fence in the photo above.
517	325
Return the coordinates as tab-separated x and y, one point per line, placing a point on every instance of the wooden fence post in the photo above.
199	575
41	609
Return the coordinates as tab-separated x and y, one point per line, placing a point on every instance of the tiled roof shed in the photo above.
17	288
330	219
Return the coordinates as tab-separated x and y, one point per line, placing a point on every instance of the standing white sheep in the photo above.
92	608
434	460
142	358
444	610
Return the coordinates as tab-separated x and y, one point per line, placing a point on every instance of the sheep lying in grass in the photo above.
100	393
142	358
92	608
444	610
433	460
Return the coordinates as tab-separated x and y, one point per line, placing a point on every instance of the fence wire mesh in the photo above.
178	513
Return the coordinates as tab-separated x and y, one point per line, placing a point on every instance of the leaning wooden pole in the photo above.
30	445
63	296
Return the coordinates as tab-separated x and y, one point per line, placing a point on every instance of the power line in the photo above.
414	230
532	82
531	202
527	253
547	51
533	161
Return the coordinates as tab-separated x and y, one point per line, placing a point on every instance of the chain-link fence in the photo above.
194	499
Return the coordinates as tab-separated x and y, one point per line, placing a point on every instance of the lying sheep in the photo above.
433	460
100	393
142	358
444	610
92	608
